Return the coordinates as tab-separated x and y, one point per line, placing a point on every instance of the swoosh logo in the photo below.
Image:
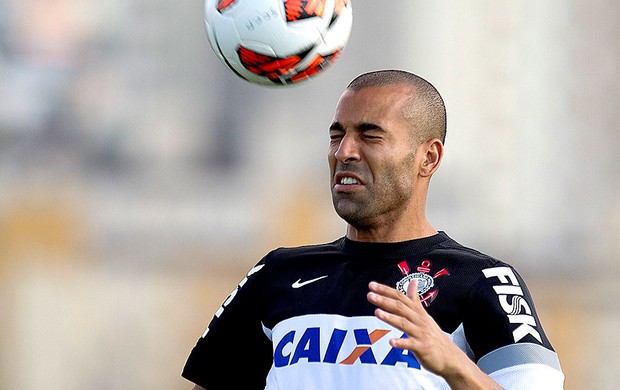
299	283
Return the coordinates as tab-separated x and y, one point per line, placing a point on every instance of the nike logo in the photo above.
299	283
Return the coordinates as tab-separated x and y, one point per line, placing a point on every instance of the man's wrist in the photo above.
465	374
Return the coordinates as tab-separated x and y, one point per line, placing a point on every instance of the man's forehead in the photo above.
379	97
372	103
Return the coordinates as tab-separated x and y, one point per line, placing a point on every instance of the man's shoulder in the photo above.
304	251
466	255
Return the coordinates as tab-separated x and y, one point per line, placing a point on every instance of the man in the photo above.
394	304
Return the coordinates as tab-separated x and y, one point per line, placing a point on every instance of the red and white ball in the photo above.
278	42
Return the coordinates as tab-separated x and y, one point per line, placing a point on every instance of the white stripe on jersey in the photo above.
321	351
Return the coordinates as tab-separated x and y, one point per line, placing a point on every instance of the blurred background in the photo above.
140	180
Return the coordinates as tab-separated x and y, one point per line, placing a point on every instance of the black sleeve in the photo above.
500	312
234	352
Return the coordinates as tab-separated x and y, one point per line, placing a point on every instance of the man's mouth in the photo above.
344	181
347	180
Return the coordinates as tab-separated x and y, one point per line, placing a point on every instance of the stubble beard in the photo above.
356	212
381	202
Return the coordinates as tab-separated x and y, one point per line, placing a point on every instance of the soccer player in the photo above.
395	304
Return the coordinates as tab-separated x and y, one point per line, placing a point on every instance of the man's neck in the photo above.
390	234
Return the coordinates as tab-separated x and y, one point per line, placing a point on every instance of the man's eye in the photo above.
335	136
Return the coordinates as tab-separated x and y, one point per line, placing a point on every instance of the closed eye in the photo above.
371	131
336	131
367	131
336	135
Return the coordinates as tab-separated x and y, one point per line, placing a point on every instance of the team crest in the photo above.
426	282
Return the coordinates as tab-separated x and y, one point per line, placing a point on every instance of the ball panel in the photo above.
340	6
318	64
338	32
222	34
223	4
303	9
265	24
274	68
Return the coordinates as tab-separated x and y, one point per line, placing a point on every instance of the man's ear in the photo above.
433	154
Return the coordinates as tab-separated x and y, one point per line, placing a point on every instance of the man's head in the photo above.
386	142
425	108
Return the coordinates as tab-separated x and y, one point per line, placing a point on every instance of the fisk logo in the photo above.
517	308
233	294
291	350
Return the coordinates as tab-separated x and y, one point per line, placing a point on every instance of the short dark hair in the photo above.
426	107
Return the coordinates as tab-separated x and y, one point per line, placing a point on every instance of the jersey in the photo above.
300	319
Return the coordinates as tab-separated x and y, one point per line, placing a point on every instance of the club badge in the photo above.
426	282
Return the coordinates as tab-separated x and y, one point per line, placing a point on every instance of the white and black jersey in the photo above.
301	320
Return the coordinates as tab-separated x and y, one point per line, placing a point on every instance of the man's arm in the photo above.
434	350
198	388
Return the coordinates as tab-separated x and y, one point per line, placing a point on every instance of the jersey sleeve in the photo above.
505	334
234	352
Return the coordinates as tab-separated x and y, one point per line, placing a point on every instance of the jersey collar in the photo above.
392	249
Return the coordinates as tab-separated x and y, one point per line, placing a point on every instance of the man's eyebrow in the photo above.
366	126
335	126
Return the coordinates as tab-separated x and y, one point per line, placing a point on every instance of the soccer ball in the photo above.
278	42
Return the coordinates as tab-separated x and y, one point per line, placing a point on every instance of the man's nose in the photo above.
348	149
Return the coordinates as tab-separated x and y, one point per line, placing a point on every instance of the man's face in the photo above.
371	156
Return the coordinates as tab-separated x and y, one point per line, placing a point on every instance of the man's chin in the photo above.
354	216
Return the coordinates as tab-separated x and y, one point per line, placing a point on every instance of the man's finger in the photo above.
412	290
383	290
390	300
386	297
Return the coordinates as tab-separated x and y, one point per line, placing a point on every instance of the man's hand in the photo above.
431	346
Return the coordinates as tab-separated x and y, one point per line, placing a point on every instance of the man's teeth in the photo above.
349	180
